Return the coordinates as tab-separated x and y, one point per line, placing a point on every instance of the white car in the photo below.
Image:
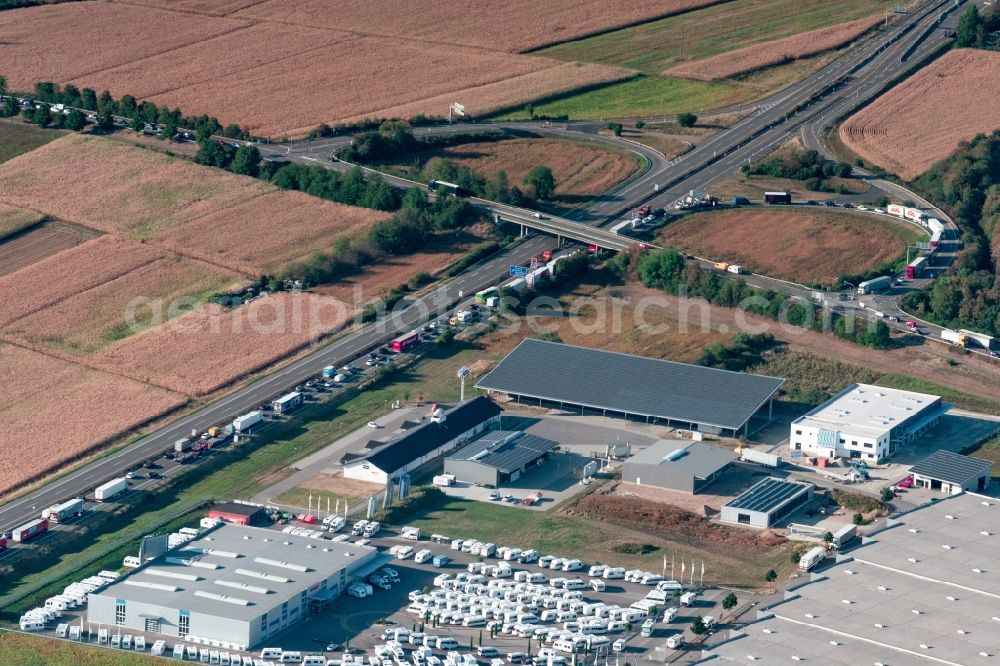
372	424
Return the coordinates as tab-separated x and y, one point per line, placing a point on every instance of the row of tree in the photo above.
974	28
667	270
805	165
967	186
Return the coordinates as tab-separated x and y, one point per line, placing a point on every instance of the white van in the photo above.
670	614
447	643
688	599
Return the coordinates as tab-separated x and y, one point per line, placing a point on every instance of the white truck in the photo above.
109	490
61	512
412	533
733	268
760	457
812	558
444	480
247	421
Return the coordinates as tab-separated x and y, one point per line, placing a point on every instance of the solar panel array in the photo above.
506	451
766	495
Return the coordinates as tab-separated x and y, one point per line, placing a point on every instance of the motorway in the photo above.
876	61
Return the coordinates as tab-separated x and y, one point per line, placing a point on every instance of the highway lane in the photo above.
748	139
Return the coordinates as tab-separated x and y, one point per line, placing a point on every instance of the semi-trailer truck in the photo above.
812	558
60	512
182	445
247	421
875	285
954	337
29	531
109	490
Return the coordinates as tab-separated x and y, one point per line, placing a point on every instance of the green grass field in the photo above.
594	541
638	97
960	399
17	139
655	46
27	650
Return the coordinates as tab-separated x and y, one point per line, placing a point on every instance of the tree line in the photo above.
967	186
667	270
805	165
974	28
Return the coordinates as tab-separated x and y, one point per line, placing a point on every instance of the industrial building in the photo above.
864	421
767	502
921	591
951	473
231	587
677	465
443	431
498	457
239	513
595	381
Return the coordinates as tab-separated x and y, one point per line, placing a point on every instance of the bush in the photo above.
687	119
635	548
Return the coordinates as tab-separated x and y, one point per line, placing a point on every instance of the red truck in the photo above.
405	342
3	543
29	531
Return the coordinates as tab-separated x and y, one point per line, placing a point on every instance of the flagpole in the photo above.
672	567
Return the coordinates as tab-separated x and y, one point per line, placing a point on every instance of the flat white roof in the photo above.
866	410
922	591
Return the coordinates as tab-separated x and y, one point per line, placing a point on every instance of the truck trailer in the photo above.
777	198
182	445
109	490
915	268
405	342
64	511
287	403
875	285
812	558
246	421
29	531
954	337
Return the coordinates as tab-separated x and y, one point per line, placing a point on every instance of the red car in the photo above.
906	483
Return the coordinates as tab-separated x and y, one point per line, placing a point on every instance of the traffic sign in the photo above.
463	372
518	271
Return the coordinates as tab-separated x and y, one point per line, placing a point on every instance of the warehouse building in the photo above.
767	502
443	431
864	421
951	473
922	592
677	465
231	587
498	457
239	513
595	381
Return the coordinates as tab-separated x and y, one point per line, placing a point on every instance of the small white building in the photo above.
442	432
951	473
864	421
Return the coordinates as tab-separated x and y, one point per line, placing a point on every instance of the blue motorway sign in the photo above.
518	271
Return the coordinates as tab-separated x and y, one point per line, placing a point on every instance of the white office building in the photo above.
864	421
232	587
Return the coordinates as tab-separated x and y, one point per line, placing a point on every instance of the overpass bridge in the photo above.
562	228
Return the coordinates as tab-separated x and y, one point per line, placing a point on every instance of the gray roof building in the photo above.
677	465
922	591
766	502
951	473
233	584
497	457
612	383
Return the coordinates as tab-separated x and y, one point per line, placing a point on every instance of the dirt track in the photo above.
40	242
972	375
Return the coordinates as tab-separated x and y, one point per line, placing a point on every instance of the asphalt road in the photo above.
877	61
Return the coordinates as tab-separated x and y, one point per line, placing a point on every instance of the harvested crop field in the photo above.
203	350
924	118
36	40
510	93
265	234
116	187
13	220
38	243
802	246
515	26
54	410
768	54
358	77
581	168
90	320
71	271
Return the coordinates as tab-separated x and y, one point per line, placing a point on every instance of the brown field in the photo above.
581	168
212	7
90	320
229	53
802	246
513	92
360	77
13	220
45	240
265	234
35	45
203	350
516	25
924	118
69	272
52	411
132	191
768	54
